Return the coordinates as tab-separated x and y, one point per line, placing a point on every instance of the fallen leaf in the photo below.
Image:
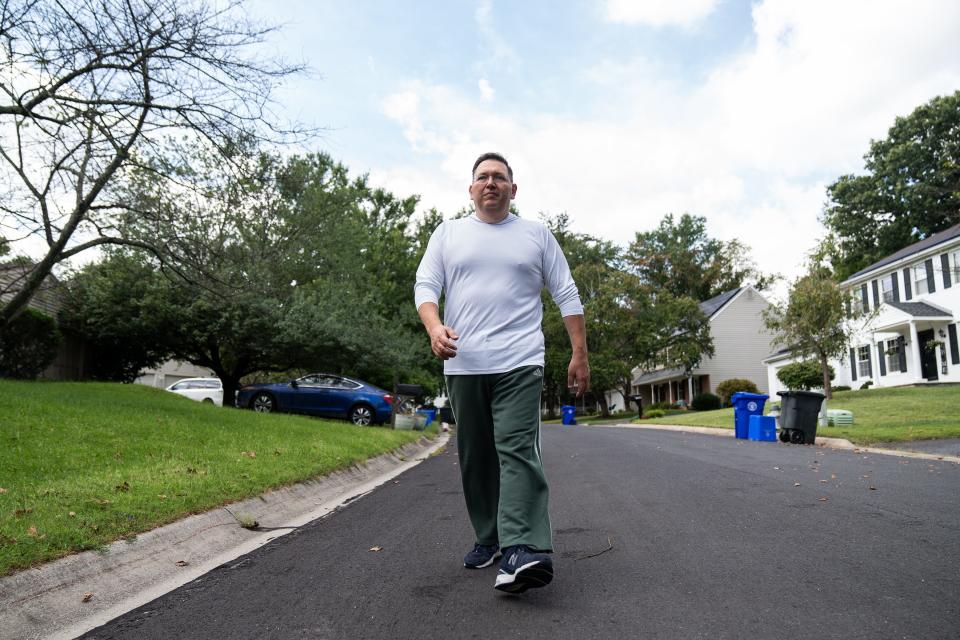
161	496
866	476
796	484
123	487
32	531
20	512
87	597
2	490
376	549
182	563
822	499
72	514
833	476
249	454
776	468
823	482
872	488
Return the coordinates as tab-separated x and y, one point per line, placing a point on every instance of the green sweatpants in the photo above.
498	442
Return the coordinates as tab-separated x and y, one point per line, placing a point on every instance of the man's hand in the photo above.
442	341
578	375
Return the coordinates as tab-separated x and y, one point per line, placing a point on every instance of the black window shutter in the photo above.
869	365
902	352
865	297
846	306
880	358
954	349
945	264
896	287
931	285
853	362
876	294
907	285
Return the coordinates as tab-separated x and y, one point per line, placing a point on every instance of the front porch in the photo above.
912	343
670	385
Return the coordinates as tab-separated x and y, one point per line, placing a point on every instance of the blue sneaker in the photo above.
523	568
481	557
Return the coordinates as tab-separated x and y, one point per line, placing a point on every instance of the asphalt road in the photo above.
657	534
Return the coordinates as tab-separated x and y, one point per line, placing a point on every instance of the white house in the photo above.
914	295
740	343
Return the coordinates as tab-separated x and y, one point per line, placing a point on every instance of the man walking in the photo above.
492	267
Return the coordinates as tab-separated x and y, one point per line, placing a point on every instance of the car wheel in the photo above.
263	403
361	415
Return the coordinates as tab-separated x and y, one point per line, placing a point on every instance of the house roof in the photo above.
714	304
659	375
919	309
916	247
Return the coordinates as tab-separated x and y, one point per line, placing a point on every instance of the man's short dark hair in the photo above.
491	155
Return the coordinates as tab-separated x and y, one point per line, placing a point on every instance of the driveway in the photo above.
657	534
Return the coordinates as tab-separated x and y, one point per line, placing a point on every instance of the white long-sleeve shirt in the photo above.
492	276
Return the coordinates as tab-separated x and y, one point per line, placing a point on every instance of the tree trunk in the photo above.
825	368
604	407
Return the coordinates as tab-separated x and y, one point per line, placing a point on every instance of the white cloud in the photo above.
683	13
486	91
751	147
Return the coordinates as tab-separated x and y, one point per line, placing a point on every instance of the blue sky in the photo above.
618	112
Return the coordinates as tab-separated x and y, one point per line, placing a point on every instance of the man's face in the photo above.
492	189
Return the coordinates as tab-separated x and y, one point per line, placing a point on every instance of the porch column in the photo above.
670	391
917	373
689	390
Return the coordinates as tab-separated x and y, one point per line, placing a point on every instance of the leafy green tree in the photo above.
679	258
629	324
286	264
911	188
817	321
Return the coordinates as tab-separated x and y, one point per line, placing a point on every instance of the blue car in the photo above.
320	394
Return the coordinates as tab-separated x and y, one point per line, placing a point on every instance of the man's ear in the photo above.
513	191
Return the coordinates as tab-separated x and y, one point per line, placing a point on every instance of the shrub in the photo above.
28	345
659	406
841	387
729	387
803	376
867	384
655	413
706	402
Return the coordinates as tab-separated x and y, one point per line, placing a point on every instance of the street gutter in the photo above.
822	441
50	601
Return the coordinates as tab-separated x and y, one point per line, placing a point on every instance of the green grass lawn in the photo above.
84	464
879	415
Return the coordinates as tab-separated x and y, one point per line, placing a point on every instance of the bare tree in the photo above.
86	84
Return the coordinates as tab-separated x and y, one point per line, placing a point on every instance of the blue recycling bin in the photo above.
746	405
568	414
431	414
762	428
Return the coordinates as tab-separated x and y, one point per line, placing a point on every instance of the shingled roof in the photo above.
916	247
919	309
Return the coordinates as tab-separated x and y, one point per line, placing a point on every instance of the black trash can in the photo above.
799	414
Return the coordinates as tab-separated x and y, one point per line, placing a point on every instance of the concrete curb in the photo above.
822	441
47	602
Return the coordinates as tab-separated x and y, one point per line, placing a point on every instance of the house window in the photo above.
886	288
955	266
893	356
920	279
863	361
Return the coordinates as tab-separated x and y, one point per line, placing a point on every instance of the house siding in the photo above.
740	342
